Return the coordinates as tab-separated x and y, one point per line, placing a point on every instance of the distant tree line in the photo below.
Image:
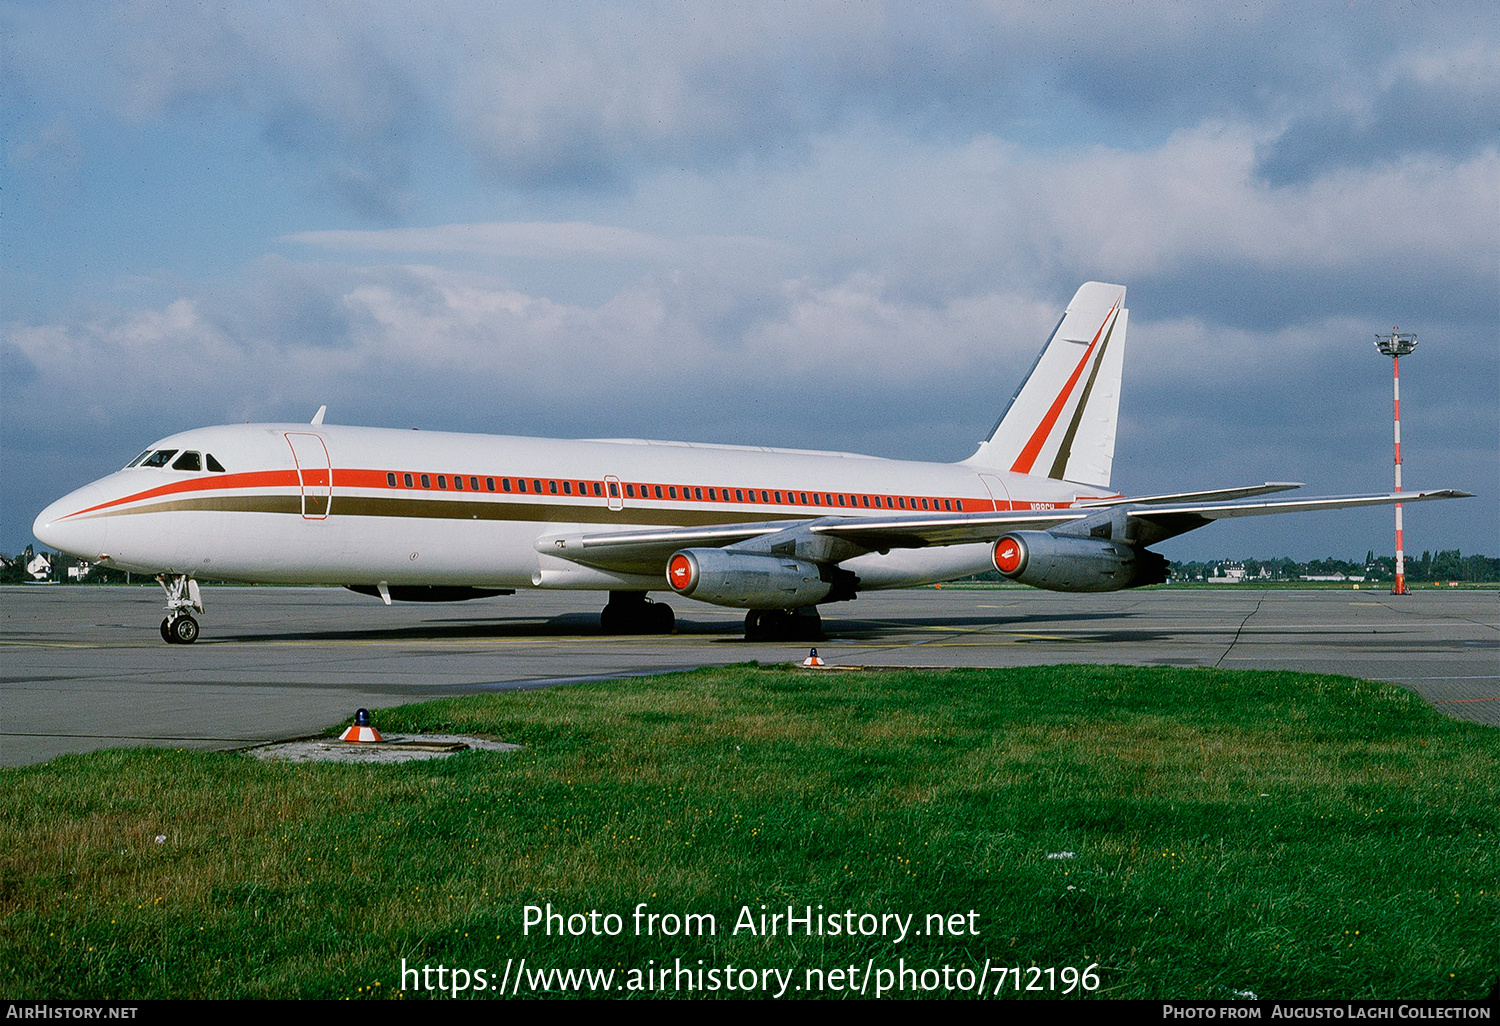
1445	565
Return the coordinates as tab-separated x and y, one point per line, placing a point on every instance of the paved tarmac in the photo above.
84	667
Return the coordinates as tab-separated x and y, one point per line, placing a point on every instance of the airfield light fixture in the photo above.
1396	344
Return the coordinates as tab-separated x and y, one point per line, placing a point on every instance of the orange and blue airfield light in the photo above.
1397	344
362	731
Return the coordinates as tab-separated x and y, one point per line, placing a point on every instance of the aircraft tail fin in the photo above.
1061	421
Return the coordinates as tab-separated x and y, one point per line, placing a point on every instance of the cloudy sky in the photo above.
834	225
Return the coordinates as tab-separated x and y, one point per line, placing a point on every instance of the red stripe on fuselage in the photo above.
349	479
251	479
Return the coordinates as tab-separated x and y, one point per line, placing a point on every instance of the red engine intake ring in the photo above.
1009	555
682	573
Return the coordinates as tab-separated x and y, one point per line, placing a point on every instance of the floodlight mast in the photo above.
1397	344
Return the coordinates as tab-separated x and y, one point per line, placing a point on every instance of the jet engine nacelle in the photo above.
1064	563
746	580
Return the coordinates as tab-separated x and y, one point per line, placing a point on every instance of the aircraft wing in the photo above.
1166	519
648	551
1178	518
1217	495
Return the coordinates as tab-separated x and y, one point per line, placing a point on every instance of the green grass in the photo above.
1289	835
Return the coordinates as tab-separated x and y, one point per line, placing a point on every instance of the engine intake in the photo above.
1064	563
747	580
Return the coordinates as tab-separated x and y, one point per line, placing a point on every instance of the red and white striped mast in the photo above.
1396	345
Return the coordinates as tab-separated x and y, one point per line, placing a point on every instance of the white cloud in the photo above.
1197	198
518	239
532	239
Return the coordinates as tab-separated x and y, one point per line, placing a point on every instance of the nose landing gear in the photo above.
179	627
179	630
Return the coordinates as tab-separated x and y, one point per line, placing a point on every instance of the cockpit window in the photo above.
213	464
159	458
136	462
188	461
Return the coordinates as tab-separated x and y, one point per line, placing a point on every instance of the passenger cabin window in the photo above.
188	461
390	479
159	458
217	467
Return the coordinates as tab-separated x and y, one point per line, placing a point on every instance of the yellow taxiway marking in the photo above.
906	625
978	642
981	635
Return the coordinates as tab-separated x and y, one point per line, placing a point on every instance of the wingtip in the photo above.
1440	493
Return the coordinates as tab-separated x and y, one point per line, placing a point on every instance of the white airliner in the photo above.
419	515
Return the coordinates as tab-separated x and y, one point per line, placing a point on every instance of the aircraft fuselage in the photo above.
332	504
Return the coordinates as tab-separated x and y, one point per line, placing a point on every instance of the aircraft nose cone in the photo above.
77	536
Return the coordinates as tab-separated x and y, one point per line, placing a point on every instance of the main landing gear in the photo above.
631	612
802	624
179	627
